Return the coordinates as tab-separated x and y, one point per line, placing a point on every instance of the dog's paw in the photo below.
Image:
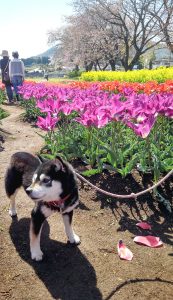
37	255
75	240
12	212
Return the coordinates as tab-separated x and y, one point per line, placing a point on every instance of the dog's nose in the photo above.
28	191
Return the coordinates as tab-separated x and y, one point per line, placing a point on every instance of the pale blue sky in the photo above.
24	24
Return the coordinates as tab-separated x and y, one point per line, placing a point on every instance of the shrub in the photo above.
74	74
3	114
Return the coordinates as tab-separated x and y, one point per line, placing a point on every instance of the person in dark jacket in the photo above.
4	65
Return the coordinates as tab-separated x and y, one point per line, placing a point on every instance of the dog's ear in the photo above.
41	158
59	164
59	159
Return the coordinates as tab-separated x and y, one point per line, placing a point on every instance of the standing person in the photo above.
46	75
16	72
4	65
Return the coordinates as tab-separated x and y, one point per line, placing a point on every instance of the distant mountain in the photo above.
49	52
43	58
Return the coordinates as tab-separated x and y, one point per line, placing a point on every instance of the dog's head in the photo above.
50	180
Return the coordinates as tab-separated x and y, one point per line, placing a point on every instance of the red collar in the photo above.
57	203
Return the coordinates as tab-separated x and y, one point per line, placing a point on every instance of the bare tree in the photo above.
87	42
140	24
104	31
165	20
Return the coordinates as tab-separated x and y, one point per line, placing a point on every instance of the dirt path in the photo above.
93	270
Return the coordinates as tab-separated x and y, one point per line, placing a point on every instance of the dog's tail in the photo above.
13	181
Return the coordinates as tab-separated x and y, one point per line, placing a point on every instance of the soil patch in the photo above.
93	270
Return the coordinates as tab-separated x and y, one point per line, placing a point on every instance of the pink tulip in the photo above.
123	251
143	129
144	225
49	105
48	123
149	240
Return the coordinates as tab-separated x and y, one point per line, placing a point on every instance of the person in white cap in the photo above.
16	72
4	65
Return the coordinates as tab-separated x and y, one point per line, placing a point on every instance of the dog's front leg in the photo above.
72	237
38	216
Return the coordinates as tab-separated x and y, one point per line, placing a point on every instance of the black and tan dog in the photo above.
51	184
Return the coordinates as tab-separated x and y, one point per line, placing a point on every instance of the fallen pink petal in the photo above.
149	241
123	251
144	225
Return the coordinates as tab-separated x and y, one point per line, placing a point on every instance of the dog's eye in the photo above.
46	180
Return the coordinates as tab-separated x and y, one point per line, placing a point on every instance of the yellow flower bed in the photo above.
160	75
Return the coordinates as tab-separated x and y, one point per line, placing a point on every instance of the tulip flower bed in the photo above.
118	131
113	125
160	75
148	88
115	86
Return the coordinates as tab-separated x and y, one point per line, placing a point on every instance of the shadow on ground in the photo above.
133	183
134	281
128	212
65	272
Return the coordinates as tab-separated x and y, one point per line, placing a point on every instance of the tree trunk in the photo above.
76	68
95	66
112	64
150	64
105	67
88	67
125	65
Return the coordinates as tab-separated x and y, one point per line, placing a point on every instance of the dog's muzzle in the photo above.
33	194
